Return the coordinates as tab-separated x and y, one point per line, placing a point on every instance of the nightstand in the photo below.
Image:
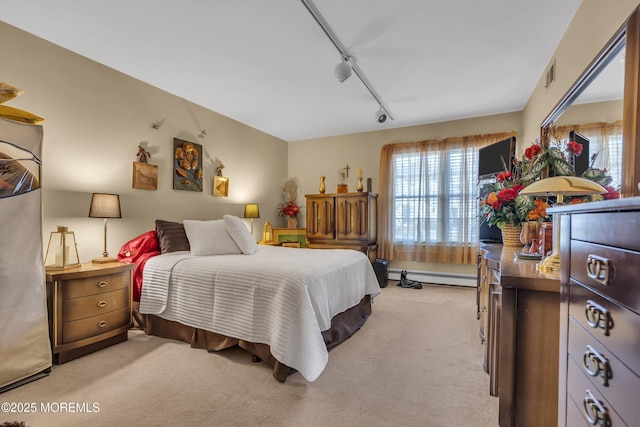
89	308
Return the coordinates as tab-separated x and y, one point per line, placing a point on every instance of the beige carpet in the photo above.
416	362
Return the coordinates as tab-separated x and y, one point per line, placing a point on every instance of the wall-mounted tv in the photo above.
492	158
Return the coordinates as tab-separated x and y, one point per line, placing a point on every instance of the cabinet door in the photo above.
320	218
353	218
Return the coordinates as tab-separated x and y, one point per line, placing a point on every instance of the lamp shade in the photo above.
104	205
563	186
251	210
343	71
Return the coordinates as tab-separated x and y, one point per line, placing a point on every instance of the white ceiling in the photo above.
268	64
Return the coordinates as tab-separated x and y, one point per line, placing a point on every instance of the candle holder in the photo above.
62	253
359	186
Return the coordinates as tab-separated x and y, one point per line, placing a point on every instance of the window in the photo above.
428	209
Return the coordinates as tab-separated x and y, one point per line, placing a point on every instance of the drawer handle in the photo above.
596	365
598	269
101	284
598	317
102	324
595	412
102	304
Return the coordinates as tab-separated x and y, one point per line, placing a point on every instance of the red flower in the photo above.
574	147
532	151
611	193
503	176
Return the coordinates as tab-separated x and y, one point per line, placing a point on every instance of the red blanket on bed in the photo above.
138	251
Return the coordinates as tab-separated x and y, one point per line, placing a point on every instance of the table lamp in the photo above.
105	206
560	186
252	211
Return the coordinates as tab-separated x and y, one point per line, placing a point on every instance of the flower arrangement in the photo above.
503	203
289	208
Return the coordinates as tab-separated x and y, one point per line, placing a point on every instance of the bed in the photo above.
287	307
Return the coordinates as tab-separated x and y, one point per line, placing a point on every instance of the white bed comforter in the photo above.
283	297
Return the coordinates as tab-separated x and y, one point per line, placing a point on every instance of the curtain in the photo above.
605	143
428	210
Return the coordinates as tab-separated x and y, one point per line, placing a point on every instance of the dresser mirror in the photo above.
602	106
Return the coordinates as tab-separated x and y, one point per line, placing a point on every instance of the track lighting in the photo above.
381	115
343	70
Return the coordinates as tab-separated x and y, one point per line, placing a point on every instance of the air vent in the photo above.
551	75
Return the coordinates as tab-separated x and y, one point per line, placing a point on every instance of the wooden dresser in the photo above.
600	309
519	327
89	308
343	220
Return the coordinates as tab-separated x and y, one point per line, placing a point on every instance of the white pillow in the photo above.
209	238
240	234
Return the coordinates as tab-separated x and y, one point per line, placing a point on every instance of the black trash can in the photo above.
381	268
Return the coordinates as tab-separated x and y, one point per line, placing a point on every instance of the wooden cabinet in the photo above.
600	309
520	326
89	308
344	220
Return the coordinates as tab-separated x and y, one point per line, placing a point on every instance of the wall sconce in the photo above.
105	206
252	211
267	232
62	252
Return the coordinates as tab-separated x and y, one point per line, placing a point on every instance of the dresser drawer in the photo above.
610	271
76	288
574	415
589	401
605	371
94	305
615	327
96	325
620	229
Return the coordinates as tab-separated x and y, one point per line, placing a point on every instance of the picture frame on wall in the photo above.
144	176
291	236
187	165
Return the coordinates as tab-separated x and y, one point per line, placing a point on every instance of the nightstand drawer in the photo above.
94	305
96	325
76	288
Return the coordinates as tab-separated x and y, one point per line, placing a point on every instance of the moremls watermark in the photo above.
49	407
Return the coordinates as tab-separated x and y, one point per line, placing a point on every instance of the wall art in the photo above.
187	168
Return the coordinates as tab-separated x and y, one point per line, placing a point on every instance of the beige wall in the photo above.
95	120
594	24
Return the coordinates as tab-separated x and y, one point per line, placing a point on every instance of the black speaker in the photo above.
381	268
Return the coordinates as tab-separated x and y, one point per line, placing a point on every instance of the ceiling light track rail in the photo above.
348	58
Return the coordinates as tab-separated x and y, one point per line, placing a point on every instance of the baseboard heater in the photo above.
437	277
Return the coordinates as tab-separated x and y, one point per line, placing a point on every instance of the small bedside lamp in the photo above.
105	206
62	253
560	186
252	211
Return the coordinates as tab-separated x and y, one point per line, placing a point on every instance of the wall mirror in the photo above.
602	106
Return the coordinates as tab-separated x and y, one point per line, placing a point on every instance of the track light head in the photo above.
343	71
381	116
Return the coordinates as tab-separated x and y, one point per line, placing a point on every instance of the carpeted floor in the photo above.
416	362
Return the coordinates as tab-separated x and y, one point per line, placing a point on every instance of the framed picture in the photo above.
145	176
220	186
187	165
291	235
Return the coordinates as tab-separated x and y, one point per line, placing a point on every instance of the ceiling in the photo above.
268	64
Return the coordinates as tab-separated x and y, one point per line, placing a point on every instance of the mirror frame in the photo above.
629	35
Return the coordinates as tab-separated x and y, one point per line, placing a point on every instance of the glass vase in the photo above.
292	222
